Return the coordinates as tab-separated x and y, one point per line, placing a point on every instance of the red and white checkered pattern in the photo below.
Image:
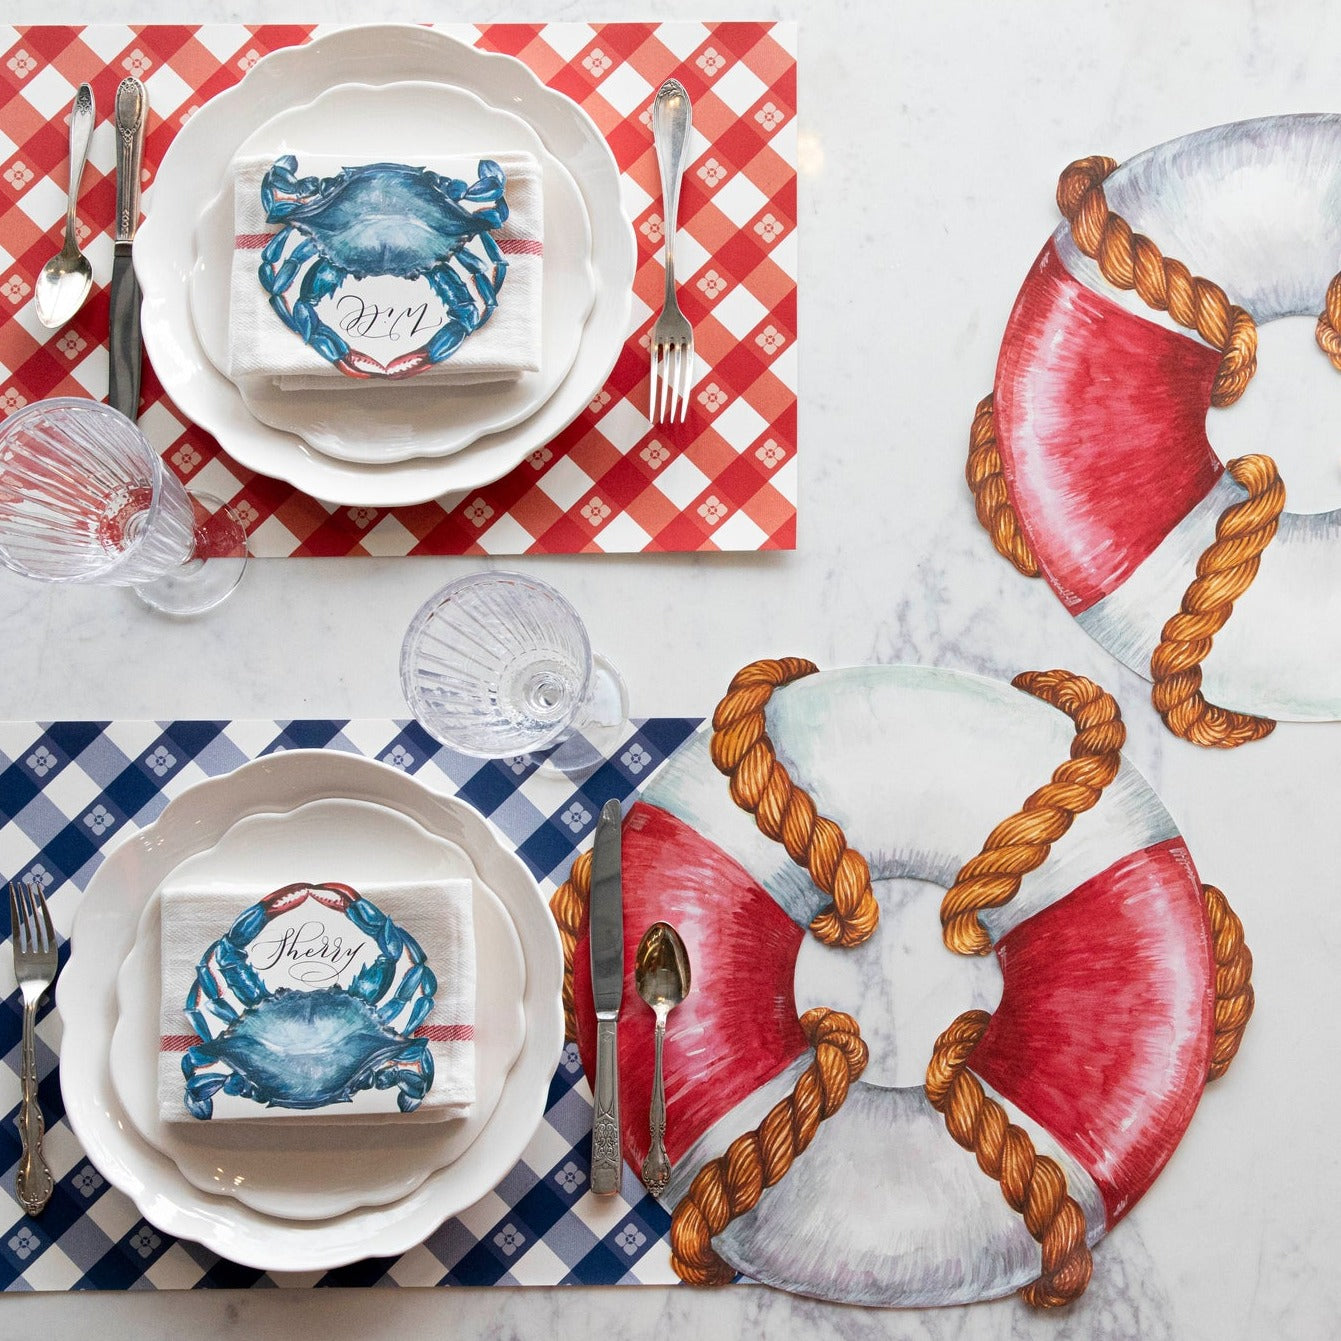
725	480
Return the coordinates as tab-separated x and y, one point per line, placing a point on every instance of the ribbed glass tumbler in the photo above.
499	665
85	498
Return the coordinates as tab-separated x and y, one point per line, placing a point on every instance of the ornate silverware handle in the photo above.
33	1182
672	121
123	316
131	106
656	1167
606	1156
82	118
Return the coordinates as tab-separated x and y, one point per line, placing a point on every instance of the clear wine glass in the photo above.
499	664
84	497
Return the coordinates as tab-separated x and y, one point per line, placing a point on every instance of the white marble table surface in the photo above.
931	137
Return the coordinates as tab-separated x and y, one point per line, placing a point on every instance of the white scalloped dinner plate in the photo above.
195	166
371	423
303	1170
104	931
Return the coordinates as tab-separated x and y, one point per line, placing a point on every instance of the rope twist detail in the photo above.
1022	842
1224	572
784	812
732	1183
1328	331
991	499
1233	986
1131	260
1033	1184
569	906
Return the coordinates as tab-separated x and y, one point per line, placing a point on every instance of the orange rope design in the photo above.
987	480
1130	260
1033	1184
1021	843
1224	573
1233	985
741	749
569	906
1328	330
732	1183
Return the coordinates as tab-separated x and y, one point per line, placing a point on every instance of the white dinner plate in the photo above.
372	423
104	930
302	1170
194	167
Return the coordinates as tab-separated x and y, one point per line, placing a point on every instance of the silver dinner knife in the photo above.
123	380
606	924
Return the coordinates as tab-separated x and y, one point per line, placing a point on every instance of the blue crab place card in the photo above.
349	273
318	1001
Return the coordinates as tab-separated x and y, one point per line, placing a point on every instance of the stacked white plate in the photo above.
271	1195
392	91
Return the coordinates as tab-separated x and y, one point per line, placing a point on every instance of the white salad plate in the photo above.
300	1170
196	165
104	931
401	420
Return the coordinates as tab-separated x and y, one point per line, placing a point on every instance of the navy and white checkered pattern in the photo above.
68	790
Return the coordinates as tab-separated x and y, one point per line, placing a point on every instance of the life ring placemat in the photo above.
610	482
825	807
1090	463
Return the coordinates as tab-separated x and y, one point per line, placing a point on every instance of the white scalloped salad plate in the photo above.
312	1171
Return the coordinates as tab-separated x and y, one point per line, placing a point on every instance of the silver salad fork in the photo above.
35	969
672	345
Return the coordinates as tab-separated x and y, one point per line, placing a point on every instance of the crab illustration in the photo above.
309	1047
383	219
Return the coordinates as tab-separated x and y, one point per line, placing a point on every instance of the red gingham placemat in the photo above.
610	482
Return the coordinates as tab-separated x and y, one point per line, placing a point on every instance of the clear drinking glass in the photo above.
85	498
499	664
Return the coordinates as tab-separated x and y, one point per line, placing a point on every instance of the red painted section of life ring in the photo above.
738	1026
1101	423
1103	1034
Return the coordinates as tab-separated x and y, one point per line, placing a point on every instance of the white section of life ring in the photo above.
890	1148
1255	206
1265	631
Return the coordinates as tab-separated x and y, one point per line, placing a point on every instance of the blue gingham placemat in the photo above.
70	790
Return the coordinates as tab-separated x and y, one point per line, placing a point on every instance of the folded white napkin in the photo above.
318	1002
348	273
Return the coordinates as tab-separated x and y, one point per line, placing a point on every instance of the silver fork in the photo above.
35	968
672	343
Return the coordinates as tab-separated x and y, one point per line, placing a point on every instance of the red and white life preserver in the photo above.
1099	1049
1100	405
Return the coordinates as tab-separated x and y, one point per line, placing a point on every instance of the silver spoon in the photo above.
661	973
64	282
